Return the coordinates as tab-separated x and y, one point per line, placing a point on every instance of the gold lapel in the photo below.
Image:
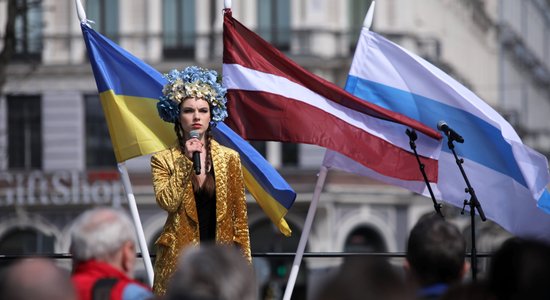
220	175
188	198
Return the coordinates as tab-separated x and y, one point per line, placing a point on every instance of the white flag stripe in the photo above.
373	55
533	166
495	188
242	78
337	161
503	200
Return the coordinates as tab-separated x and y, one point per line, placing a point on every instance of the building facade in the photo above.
56	159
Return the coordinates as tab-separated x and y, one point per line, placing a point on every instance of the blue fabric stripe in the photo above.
544	201
121	71
255	163
484	143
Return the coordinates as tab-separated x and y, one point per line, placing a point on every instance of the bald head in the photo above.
37	278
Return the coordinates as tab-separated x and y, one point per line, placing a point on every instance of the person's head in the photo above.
104	234
212	272
520	269
436	252
364	278
194	115
37	278
193	99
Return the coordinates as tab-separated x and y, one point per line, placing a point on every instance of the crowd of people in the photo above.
103	249
436	267
103	255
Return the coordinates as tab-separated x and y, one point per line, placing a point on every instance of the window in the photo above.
260	146
357	10
290	154
105	15
99	150
178	24
24	132
28	30
274	22
26	241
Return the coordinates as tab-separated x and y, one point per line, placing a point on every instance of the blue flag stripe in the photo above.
126	75
544	201
278	189
484	140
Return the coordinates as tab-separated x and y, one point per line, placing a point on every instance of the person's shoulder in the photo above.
134	291
162	153
225	150
166	154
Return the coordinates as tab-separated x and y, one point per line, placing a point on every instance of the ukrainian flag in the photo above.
129	90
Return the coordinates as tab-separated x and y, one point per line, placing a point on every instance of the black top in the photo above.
206	211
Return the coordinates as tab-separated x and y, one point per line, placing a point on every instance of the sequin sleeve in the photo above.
171	175
240	221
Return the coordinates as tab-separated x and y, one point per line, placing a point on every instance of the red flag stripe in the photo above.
245	48
242	78
294	121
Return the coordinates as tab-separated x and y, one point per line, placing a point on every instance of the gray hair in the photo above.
212	272
99	232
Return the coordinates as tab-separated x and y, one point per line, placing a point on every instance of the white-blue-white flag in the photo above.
509	178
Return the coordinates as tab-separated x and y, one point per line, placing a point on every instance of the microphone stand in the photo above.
412	137
473	203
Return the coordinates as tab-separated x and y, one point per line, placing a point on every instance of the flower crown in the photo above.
192	82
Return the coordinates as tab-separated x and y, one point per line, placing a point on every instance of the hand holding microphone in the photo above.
194	146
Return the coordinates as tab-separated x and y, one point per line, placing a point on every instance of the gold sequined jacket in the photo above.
171	171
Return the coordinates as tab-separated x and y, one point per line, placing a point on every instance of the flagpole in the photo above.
137	222
81	13
305	233
367	22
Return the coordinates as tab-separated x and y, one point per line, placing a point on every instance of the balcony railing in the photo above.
61	48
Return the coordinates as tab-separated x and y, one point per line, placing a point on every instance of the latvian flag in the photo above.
271	98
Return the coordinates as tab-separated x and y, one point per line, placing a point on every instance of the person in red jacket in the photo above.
103	250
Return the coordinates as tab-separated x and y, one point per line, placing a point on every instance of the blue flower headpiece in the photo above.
192	82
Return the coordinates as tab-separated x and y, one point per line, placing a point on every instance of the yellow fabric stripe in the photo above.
134	125
272	208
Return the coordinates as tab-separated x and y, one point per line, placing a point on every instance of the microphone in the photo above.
449	132
196	154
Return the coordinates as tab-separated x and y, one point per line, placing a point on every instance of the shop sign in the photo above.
58	188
